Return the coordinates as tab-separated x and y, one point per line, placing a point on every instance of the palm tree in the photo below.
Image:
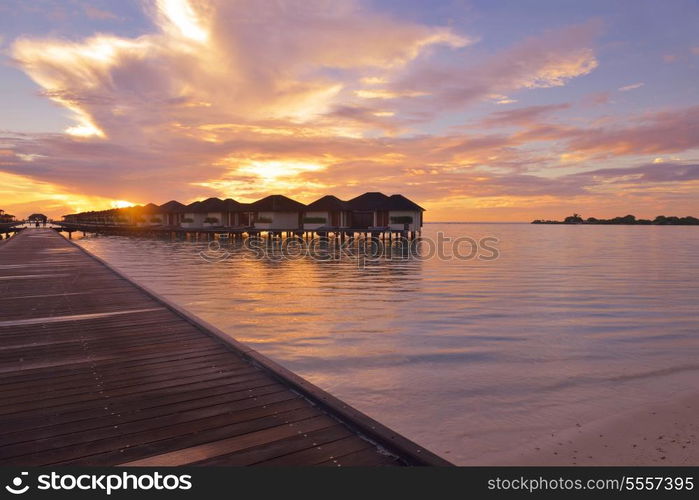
573	219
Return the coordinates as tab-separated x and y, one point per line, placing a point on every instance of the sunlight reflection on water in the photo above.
469	358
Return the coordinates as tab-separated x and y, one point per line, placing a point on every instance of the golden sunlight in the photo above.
85	129
270	176
21	195
274	169
122	204
182	17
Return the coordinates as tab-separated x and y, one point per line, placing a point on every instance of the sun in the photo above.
121	204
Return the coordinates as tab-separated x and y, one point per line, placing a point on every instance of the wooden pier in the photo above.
9	229
208	233
97	370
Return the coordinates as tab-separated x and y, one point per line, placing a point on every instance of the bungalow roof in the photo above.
368	201
277	203
172	206
400	202
329	203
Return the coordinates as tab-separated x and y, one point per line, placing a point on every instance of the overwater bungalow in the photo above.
403	214
40	218
227	213
171	213
375	210
370	212
277	212
237	215
91	217
125	216
327	212
193	217
367	210
213	212
148	215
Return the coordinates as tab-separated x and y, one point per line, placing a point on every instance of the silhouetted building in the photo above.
376	210
171	213
6	218
41	218
369	211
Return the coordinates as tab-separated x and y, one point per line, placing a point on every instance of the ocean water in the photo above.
472	358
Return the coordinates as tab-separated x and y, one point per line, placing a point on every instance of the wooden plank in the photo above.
125	431
99	397
280	447
110	374
322	453
87	365
129	403
82	452
98	383
72	317
363	458
83	425
223	446
289	411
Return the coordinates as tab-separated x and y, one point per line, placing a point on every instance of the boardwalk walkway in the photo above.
95	370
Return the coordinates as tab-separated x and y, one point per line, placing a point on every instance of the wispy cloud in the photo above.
654	133
522	116
101	14
549	60
633	86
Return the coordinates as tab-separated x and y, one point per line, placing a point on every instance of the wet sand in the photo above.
663	433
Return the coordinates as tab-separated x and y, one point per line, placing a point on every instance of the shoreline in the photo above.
659	433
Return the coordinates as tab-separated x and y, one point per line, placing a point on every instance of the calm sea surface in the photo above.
470	358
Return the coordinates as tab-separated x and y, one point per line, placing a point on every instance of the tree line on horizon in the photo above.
660	220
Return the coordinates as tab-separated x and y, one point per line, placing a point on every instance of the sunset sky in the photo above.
478	110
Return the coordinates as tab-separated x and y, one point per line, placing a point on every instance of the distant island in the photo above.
660	220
